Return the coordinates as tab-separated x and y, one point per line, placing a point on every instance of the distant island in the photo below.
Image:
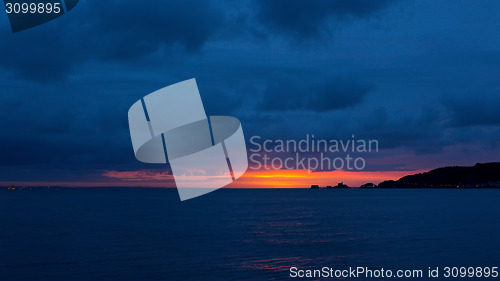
485	175
339	185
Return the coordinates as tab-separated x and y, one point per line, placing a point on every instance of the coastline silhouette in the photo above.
486	175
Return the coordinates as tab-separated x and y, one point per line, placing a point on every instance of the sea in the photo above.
243	234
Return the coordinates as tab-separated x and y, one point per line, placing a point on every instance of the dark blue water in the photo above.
148	234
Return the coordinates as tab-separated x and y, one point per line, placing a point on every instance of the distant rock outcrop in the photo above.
340	185
479	175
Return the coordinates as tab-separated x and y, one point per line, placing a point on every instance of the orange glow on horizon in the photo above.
251	179
304	178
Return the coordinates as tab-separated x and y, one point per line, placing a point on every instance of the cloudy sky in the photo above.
421	77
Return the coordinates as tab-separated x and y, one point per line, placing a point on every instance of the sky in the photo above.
421	77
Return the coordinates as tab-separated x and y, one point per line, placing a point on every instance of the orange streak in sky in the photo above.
251	179
304	179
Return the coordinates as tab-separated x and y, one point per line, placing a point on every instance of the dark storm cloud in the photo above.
309	18
219	102
58	132
300	93
108	30
422	131
477	106
103	56
128	31
134	28
43	126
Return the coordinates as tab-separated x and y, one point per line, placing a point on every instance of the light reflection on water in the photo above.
240	234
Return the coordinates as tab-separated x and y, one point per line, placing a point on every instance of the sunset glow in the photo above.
304	179
251	179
